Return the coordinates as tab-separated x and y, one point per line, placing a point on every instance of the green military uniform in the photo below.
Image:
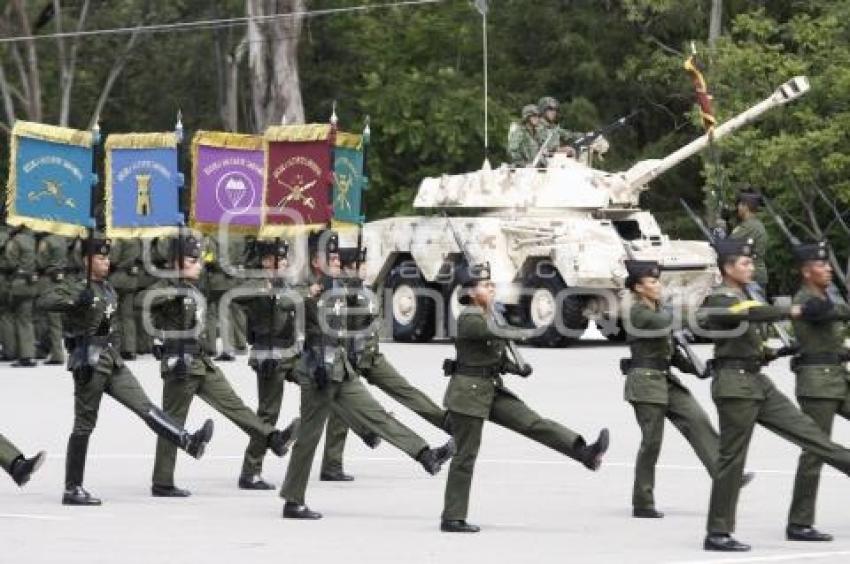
655	394
14	462
744	396
329	382
822	392
272	336
7	320
125	258
753	228
188	371
9	453
216	282
52	263
476	393
523	142
20	254
97	368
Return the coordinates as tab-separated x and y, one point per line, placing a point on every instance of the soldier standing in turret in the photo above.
523	139
550	133
749	226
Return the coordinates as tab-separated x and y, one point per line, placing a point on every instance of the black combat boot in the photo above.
280	441
458	526
225	357
721	542
75	467
24	363
292	510
335	476
128	356
591	455
193	443
646	513
806	533
23	468
432	459
370	439
158	490
254	482
747	478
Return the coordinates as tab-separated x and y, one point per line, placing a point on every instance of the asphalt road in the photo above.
533	505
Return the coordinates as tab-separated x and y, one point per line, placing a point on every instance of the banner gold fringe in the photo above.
141	231
304	132
225	140
344	226
349	140
141	141
271	230
52	133
54	227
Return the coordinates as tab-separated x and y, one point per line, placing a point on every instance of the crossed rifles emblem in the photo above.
298	193
52	189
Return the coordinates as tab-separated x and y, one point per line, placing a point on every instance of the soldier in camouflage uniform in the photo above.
97	368
330	382
52	262
20	254
822	380
476	394
16	464
523	139
743	395
654	391
749	226
125	258
176	306
549	132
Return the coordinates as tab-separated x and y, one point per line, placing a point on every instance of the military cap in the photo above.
96	245
811	251
529	110
547	103
278	247
469	277
350	255
187	247
751	198
729	247
639	269
331	242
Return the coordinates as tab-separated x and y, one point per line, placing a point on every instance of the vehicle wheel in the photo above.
413	312
539	310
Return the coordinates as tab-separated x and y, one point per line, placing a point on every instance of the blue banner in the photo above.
50	180
143	184
349	183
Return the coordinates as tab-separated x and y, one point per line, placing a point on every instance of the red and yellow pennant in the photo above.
694	69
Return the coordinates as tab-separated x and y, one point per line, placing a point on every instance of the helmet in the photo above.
547	103
529	110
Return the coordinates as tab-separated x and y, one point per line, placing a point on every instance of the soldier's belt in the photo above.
819	359
171	348
650	363
479	371
745	364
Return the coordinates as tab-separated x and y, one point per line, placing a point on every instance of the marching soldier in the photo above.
16	464
822	381
652	389
51	261
550	133
749	226
97	368
476	394
523	139
177	308
217	281
329	381
7	321
20	254
743	395
125	258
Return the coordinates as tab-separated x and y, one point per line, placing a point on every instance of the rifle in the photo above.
589	138
498	316
753	291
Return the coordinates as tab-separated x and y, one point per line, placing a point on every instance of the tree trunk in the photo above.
714	24
273	62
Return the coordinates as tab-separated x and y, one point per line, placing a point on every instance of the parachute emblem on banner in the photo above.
235	192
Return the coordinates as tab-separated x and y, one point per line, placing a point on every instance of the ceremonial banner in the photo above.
227	178
298	177
50	179
349	180
143	183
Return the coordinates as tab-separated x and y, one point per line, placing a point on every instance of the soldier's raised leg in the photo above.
382	374
16	464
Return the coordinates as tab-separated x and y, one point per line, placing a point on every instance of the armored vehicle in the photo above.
555	238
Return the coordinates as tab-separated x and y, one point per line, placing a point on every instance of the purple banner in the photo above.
227	179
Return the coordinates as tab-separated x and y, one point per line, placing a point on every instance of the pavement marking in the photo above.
33	517
772	558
